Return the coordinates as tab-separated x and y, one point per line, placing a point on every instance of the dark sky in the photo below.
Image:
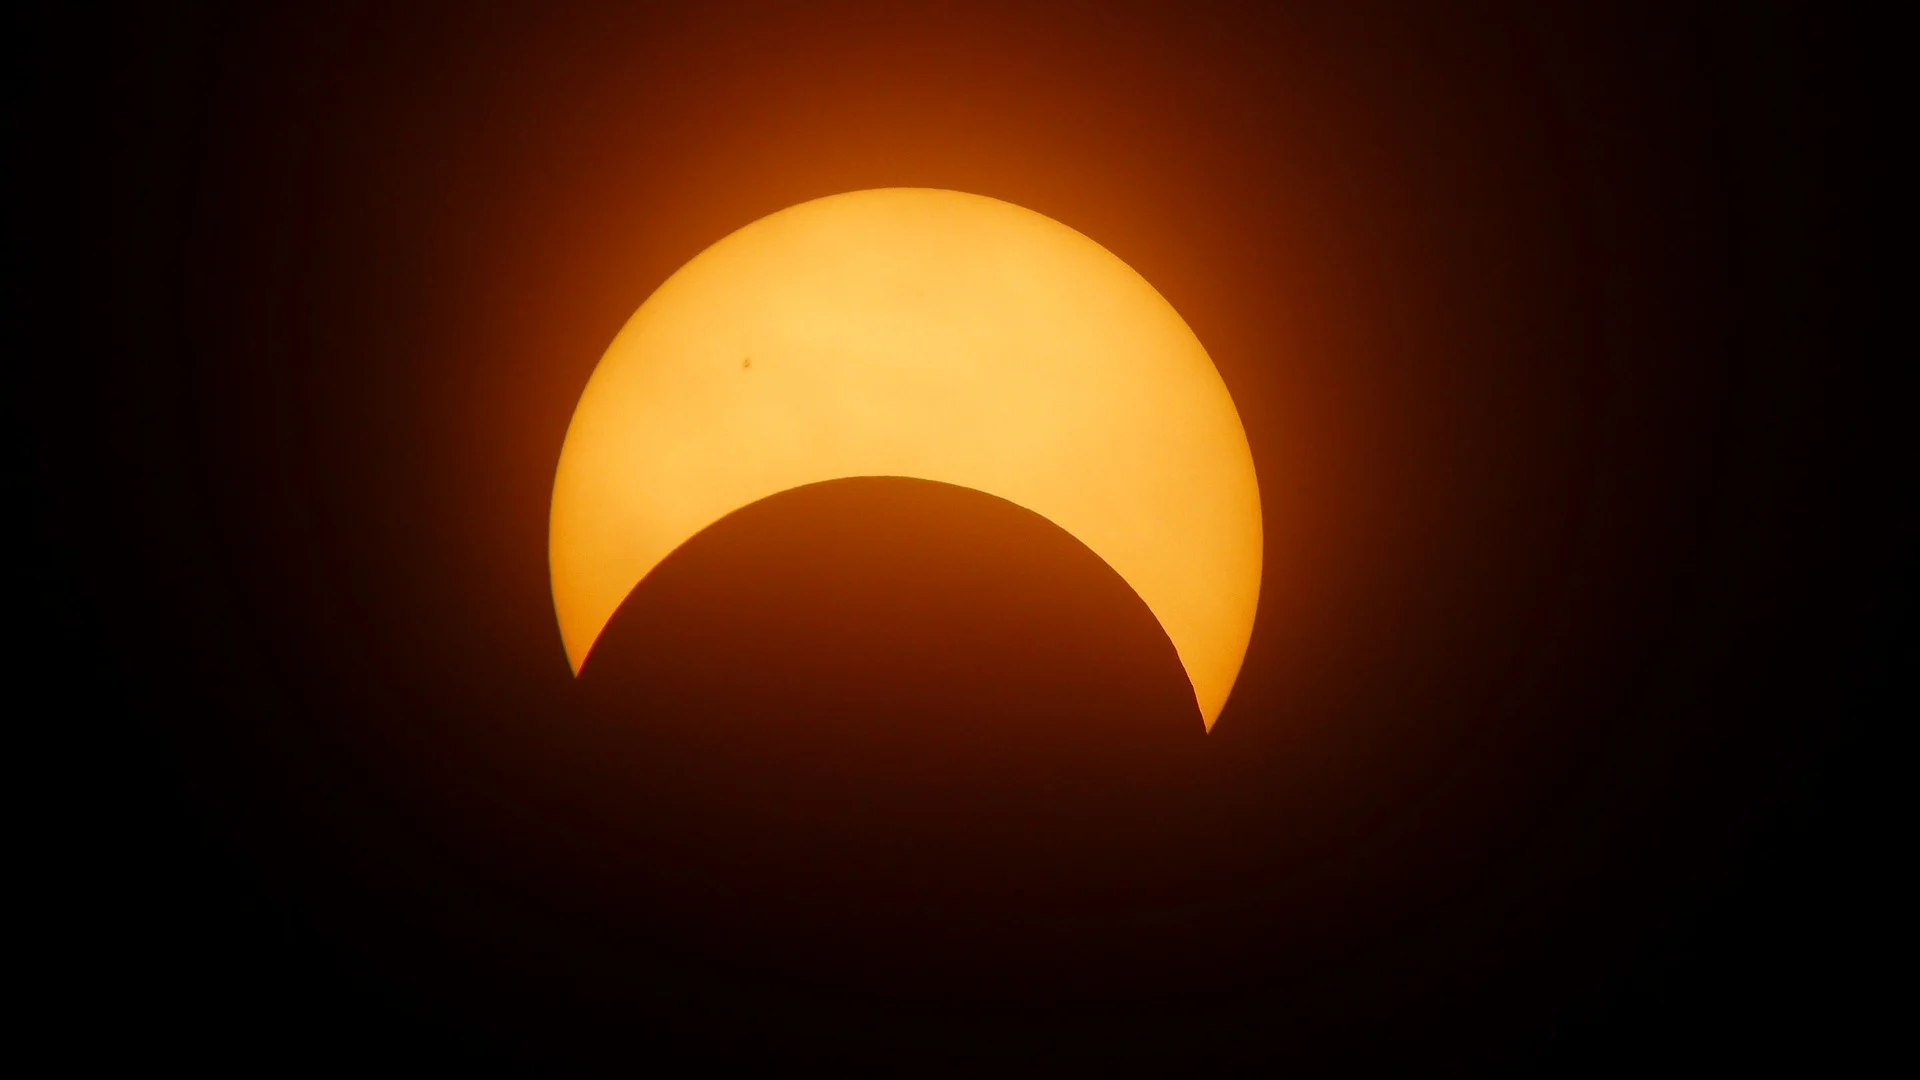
1555	338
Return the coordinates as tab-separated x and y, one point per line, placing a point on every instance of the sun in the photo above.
920	333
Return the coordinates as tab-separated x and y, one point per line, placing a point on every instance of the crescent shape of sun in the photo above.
918	333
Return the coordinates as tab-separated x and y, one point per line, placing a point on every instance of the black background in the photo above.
1555	338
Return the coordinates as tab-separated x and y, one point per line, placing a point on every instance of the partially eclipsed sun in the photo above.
919	333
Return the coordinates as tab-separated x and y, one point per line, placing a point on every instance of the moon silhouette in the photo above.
917	333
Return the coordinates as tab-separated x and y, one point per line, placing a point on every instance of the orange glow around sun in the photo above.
918	333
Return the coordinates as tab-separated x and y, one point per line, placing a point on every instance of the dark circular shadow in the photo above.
885	738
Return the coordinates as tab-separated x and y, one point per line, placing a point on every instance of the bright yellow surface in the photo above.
922	333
